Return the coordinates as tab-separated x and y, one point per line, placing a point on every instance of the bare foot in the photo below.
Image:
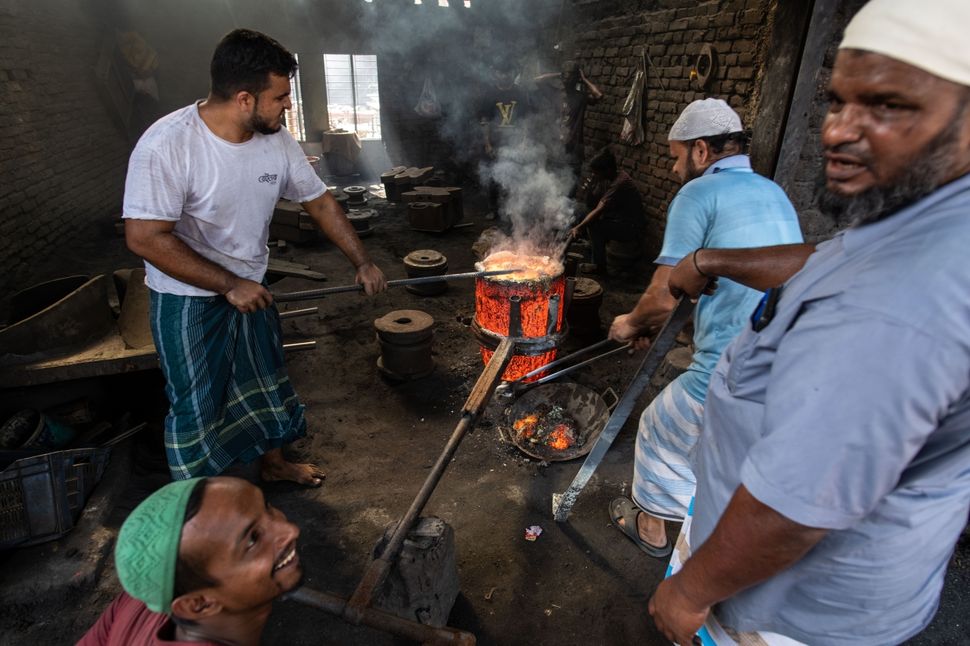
651	530
274	467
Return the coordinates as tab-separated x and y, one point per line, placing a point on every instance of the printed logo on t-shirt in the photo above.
266	178
506	110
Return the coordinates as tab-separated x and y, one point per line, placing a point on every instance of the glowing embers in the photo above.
548	426
526	305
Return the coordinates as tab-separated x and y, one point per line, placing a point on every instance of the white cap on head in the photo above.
928	34
705	118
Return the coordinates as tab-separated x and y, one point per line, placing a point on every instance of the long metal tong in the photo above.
520	384
317	293
563	503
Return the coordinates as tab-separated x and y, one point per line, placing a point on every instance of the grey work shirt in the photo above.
850	411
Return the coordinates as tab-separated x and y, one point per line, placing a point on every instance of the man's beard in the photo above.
925	175
258	124
690	170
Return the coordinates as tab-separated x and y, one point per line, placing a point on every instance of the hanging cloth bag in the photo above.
428	105
632	111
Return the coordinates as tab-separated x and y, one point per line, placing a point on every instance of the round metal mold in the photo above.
361	221
422	263
356	194
571	263
405	338
581	247
314	162
584	309
587	289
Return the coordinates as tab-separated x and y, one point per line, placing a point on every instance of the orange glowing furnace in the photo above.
527	306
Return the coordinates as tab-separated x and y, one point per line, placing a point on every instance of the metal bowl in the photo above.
584	405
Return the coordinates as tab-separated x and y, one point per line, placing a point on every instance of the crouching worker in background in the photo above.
201	562
615	210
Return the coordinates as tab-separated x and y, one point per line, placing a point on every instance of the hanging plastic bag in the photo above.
632	111
428	105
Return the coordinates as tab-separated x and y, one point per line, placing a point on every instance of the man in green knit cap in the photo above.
201	562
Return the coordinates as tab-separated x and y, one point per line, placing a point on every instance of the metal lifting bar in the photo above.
563	503
356	608
325	291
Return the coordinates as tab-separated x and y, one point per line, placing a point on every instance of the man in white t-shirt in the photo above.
202	185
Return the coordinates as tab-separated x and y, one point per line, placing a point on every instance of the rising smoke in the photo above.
459	50
534	188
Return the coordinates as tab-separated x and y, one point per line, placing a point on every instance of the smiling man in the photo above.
202	186
201	561
832	472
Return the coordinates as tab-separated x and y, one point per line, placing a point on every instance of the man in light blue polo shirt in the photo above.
723	203
833	473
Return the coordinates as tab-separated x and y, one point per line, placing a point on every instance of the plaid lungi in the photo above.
230	397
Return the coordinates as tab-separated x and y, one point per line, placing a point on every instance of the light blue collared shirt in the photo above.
729	206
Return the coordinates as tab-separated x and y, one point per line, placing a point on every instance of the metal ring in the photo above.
705	66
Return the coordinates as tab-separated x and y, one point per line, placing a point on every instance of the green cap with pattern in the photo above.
148	545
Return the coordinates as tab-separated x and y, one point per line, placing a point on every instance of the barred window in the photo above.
294	118
353	97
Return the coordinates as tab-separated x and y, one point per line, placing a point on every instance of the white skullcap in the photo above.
928	34
705	118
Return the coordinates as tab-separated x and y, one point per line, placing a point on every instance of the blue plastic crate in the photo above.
41	497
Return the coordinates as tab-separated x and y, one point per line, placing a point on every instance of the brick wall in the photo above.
62	158
604	37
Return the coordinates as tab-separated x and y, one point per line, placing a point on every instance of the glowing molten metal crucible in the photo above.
526	305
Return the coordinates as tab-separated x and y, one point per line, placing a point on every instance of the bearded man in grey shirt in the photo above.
832	471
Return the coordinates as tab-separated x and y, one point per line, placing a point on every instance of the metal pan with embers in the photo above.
556	422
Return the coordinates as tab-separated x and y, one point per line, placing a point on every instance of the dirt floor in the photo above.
581	582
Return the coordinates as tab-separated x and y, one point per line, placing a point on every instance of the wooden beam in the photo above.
788	33
820	33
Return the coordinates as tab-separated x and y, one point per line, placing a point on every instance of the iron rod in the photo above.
381	620
292	314
562	360
325	291
665	340
566	371
379	568
299	345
